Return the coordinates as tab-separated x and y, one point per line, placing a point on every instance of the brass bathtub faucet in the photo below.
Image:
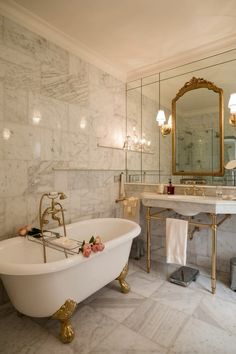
52	211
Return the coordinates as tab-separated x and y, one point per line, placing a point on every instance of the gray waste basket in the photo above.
233	273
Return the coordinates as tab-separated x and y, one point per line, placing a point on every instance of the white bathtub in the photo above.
39	289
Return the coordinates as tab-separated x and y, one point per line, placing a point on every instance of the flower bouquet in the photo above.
94	245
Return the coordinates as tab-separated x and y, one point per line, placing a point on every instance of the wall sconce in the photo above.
165	128
232	107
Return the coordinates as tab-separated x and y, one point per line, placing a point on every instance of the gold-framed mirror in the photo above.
198	124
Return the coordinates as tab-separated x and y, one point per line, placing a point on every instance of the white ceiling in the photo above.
134	35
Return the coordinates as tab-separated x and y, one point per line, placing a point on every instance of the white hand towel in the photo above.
122	185
176	240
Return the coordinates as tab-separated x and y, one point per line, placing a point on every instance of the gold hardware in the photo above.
213	225
193	190
53	210
64	315
193	84
165	129
232	120
121	278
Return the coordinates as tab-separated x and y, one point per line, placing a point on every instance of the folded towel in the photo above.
176	240
131	208
122	185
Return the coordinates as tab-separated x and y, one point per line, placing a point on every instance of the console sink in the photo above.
189	205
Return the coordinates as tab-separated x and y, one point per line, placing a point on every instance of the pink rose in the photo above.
98	239
86	250
100	246
94	248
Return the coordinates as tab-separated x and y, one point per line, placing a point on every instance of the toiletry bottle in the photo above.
170	188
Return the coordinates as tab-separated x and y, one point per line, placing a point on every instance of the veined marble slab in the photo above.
197	204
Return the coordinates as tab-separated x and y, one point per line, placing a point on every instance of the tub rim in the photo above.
24	269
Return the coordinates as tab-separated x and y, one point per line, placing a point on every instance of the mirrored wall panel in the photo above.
152	161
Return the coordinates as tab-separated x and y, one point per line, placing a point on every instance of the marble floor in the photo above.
155	317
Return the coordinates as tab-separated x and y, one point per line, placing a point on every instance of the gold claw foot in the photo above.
64	315
121	278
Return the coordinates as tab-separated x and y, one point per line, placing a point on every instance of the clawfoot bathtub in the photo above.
54	288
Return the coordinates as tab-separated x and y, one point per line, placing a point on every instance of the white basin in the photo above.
189	205
190	198
186	209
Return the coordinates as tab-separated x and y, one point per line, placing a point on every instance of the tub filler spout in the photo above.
52	211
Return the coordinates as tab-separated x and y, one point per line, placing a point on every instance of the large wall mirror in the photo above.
198	121
149	157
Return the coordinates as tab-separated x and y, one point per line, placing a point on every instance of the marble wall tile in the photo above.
23	40
79	68
61	180
19	77
28	142
53	113
13	56
16	209
77	148
13	181
1	29
1	100
40	176
15	105
54	61
66	88
79	119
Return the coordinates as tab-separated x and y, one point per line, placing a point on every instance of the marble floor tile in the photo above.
217	312
20	335
156	321
143	283
124	341
223	291
178	297
90	327
117	305
201	338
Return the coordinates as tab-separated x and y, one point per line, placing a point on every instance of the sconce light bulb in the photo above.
6	134
170	121
232	103
36	117
160	117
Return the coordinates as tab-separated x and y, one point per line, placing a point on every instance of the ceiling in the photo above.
134	35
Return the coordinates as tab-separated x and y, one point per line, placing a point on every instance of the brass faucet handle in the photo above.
187	191
201	190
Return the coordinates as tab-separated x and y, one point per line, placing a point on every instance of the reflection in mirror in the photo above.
197	112
220	69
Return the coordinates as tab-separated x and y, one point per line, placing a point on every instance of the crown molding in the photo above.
202	52
26	18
